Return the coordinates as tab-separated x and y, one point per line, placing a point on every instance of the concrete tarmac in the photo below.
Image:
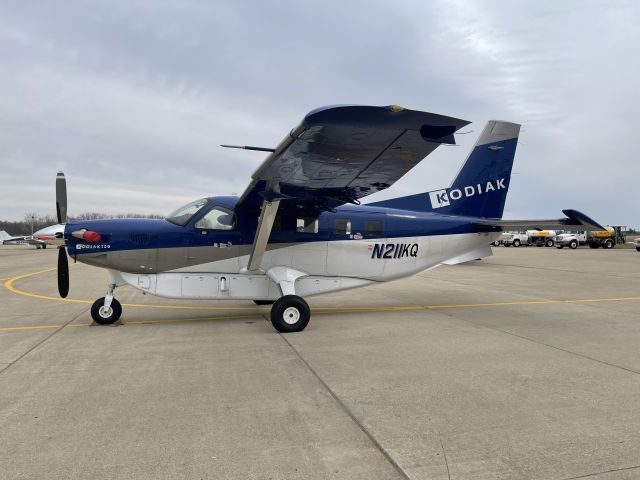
524	365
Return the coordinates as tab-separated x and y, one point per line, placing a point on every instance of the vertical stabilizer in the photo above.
480	188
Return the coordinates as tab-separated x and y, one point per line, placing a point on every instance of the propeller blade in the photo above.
63	273
61	198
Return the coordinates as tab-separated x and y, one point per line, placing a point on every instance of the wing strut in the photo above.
265	224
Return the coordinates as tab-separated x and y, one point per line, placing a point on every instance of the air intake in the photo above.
139	238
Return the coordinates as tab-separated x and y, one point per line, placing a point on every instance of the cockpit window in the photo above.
182	215
217	219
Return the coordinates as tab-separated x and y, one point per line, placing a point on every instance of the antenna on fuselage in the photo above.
248	147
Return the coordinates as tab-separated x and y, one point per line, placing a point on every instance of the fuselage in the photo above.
363	242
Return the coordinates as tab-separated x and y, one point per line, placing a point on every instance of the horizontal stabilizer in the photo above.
574	220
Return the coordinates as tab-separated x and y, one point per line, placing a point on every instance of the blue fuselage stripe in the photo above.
365	222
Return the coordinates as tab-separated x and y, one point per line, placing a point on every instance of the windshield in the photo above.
182	215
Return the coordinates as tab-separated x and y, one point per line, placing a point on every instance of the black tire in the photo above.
637	249
109	317
550	243
573	244
506	244
593	245
516	243
264	302
560	246
290	314
44	246
608	243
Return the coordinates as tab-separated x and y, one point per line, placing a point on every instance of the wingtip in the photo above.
582	218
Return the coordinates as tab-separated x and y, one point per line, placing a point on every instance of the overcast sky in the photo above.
132	98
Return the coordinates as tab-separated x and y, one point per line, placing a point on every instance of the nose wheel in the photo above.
106	315
106	310
290	314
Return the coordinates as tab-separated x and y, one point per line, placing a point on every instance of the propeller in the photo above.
61	198
61	211
63	273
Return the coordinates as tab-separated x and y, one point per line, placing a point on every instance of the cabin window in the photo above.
373	228
307	225
342	226
217	219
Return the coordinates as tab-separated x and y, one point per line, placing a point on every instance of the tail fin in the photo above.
480	188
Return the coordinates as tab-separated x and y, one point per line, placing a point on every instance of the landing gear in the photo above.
106	310
290	314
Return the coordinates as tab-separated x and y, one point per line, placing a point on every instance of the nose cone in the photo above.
51	235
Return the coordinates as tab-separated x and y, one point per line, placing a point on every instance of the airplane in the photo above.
299	229
39	238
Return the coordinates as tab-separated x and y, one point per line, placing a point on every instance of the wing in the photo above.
340	154
574	220
337	155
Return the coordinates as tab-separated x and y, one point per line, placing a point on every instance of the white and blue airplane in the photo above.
299	228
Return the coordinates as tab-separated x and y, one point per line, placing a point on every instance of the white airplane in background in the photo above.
41	238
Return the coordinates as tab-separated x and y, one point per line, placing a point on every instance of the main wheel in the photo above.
106	316
44	245
550	243
264	302
516	243
608	243
290	314
573	244
637	249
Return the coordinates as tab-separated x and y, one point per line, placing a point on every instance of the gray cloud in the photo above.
131	99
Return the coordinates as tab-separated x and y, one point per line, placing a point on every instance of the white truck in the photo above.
596	239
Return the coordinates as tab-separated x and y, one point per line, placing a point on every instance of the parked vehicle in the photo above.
498	241
515	238
607	238
637	244
571	239
539	238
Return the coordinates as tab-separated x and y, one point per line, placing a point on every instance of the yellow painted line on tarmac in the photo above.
134	322
39	327
9	284
472	305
